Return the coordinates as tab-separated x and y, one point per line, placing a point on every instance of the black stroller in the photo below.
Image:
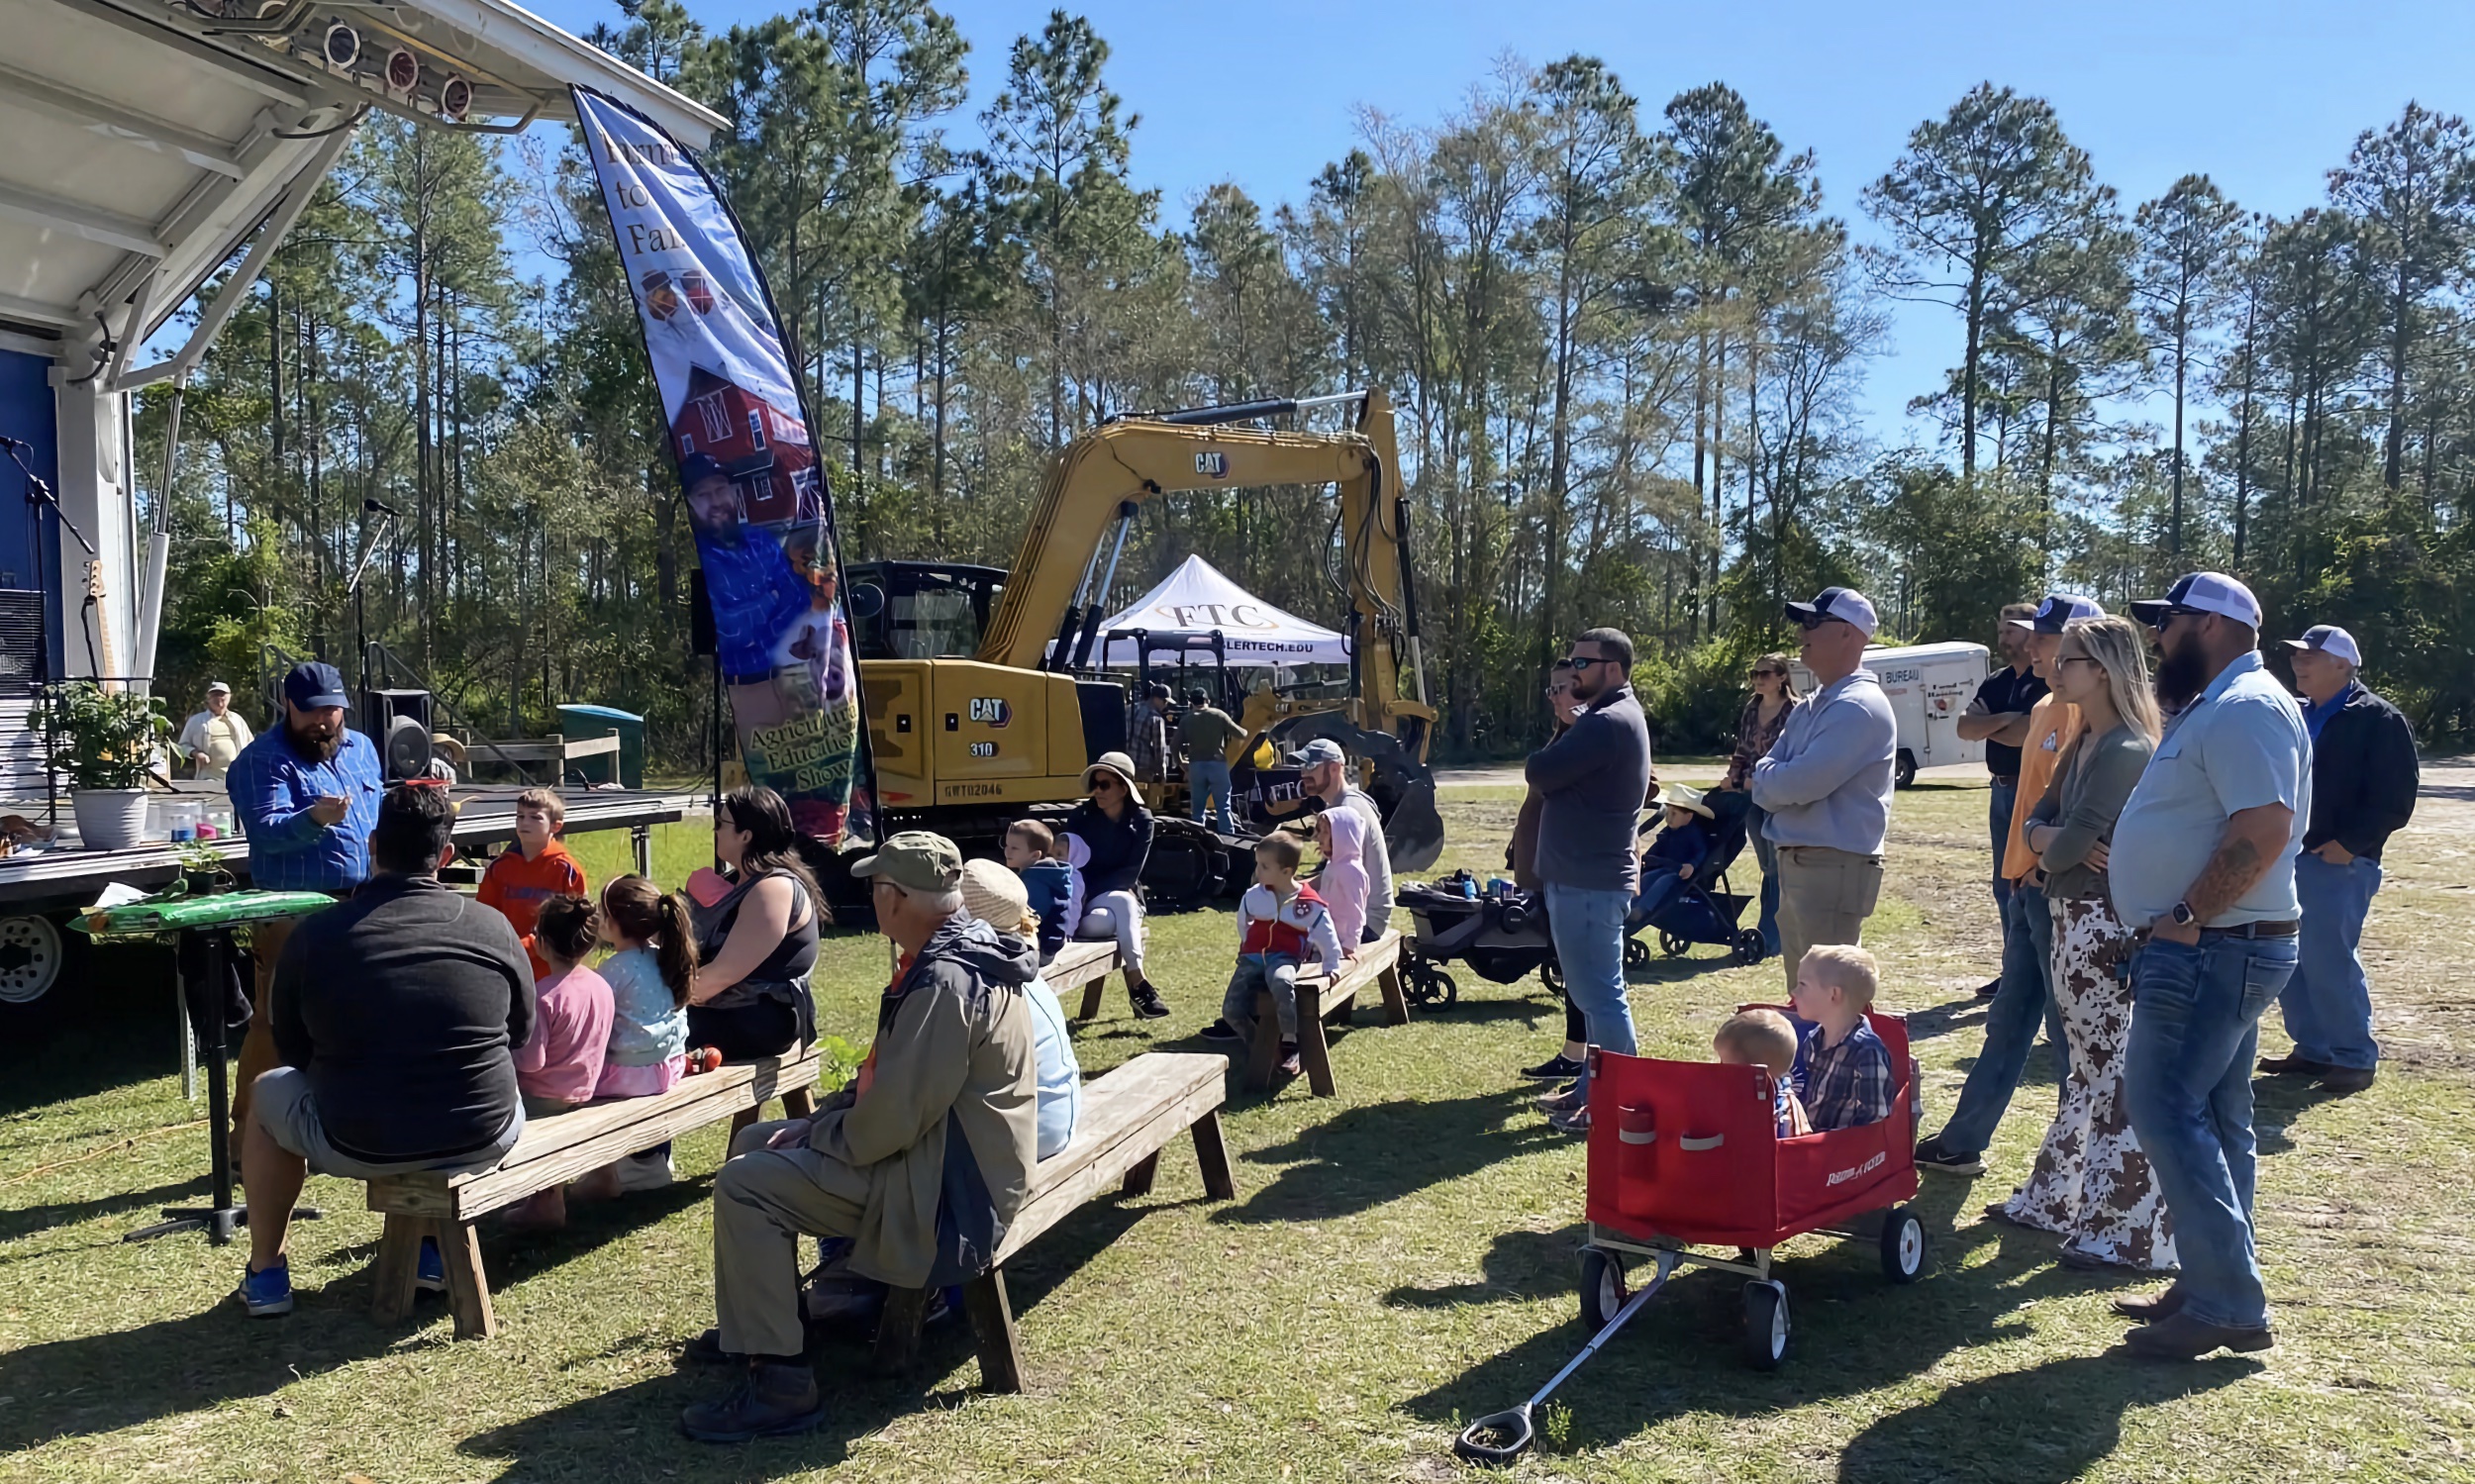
1703	909
1502	936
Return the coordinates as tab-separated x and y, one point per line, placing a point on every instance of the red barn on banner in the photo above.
765	448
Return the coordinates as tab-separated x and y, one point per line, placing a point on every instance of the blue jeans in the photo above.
1768	854
2329	1002
2011	1020
2187	1086
1589	931
2006	793
1207	778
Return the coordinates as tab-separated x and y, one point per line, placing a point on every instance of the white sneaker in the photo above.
650	1170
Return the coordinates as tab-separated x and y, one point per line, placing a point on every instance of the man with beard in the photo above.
2203	867
307	796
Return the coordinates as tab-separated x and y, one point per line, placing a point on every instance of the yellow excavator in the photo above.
984	704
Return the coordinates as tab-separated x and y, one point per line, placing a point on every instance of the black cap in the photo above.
1157	691
311	685
696	468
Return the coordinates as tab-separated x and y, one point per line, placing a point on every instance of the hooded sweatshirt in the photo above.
518	887
947	1130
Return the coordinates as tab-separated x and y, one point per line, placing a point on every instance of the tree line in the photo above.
1625	340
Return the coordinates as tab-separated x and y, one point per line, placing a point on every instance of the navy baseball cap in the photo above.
2057	609
1845	604
2200	592
311	685
2328	638
699	467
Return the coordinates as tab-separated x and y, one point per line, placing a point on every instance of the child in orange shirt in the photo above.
519	880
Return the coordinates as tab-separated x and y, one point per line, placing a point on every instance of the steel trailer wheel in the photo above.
31	954
1766	1325
1903	1245
1601	1287
1903	769
1637	954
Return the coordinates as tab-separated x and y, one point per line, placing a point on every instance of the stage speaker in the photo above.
700	634
397	723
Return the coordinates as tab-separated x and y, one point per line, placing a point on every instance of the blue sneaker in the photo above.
430	1272
267	1294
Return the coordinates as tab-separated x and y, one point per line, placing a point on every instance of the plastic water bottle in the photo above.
1469	888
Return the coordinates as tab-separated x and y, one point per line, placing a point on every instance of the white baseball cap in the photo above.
215	686
2328	638
1845	604
2200	592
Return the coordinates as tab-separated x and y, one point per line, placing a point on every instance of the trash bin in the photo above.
591	722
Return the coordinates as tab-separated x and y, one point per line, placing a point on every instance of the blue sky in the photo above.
2266	96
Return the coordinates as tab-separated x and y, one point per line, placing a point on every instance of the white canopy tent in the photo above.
1182	613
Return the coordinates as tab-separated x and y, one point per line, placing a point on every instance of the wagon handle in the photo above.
1514	1426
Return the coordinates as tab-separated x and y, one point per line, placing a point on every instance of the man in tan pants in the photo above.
941	1121
1827	782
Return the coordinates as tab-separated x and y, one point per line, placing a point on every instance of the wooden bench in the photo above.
1084	962
552	1151
1323	998
1128	1116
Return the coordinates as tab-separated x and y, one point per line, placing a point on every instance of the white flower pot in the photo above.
110	819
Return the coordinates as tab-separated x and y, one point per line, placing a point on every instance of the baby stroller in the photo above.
1703	909
1502	934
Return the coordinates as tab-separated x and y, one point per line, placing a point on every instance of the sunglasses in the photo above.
1579	663
1766	674
2075	659
1105	781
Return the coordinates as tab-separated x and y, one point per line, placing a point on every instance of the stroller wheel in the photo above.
1673	944
1748	947
1766	1325
1601	1287
1637	954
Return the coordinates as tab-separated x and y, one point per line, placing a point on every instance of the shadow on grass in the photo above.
2048	1424
1365	1157
2277	1103
27	1221
108	1023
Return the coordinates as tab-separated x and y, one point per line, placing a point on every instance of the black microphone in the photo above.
377	506
12	445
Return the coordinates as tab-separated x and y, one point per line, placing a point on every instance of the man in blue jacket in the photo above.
2364	774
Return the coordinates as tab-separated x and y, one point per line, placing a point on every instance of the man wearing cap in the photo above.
213	738
1998	716
1326	776
2203	867
1827	782
2364	773
1148	743
306	795
923	1162
756	595
1591	783
1207	732
2023	994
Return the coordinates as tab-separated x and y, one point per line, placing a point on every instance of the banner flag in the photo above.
757	498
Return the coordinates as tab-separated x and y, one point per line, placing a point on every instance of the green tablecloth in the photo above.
171	913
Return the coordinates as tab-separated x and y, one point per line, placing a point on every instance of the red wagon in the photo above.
1686	1155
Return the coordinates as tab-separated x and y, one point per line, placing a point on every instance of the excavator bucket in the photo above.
1402	785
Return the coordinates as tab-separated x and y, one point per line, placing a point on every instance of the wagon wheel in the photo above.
1637	954
1673	944
1601	1287
1903	1245
1766	1325
1749	946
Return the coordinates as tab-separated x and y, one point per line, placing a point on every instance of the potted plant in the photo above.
105	741
202	871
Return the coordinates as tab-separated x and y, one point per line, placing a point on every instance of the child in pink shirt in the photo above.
559	1067
1341	833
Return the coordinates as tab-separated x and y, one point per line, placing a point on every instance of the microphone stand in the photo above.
360	600
38	495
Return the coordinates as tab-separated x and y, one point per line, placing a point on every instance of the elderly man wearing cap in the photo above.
2023	994
213	738
922	1162
306	795
2364	773
1826	781
2203	863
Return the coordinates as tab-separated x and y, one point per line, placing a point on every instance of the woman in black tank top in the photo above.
756	945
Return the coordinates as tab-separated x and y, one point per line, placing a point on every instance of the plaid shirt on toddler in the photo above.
1847	1084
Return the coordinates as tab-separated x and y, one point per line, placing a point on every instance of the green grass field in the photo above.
1400	1258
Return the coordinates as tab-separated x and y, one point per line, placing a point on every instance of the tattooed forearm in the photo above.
2255	840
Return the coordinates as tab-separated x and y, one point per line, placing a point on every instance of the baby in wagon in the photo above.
1765	1038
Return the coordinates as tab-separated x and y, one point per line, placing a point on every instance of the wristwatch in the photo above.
2182	915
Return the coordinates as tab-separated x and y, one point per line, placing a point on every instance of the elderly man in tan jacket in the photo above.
921	1161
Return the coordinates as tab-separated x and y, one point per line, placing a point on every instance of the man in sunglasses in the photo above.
1827	782
2202	865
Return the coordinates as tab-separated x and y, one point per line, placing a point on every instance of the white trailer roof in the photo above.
149	141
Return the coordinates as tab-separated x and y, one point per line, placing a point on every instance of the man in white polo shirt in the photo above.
2203	868
214	737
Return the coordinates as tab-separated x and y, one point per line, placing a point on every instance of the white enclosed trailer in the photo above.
1928	686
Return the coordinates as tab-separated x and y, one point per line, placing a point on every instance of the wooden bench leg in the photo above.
740	1122
468	1286
1139	1178
1264	1054
399	1264
800	1102
1212	1154
992	1320
1396	1002
1092	991
898	1328
1316	1052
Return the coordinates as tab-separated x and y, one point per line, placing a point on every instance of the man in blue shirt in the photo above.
2203	868
755	592
1827	783
306	794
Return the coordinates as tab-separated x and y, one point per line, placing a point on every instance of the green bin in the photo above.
590	723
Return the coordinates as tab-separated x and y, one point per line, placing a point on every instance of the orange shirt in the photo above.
518	887
2051	725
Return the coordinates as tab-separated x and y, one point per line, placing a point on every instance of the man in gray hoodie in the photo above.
923	1162
1591	782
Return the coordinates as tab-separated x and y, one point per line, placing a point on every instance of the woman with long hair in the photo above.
1116	828
1764	716
2092	1182
749	997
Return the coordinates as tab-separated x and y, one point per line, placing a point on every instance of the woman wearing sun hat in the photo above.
1114	826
